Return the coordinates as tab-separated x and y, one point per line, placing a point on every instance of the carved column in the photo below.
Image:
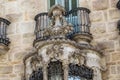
93	61
65	68
45	77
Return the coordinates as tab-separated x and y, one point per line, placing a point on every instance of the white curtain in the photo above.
61	2
56	77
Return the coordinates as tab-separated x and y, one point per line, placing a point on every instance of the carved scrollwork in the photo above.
77	59
59	27
55	51
36	62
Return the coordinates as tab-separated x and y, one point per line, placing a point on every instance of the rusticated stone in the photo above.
118	69
12	7
19	56
17	78
3	58
25	27
98	28
105	15
100	4
84	3
28	40
108	58
112	35
94	16
114	14
6	69
15	39
113	3
112	26
2	8
12	29
111	63
28	35
113	69
19	68
4	79
116	56
107	45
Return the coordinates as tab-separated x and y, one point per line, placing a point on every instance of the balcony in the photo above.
78	18
3	25
4	41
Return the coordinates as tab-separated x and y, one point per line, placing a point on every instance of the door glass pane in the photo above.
74	4
59	2
67	5
52	2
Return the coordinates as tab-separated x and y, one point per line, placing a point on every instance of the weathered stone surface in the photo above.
113	70
114	14
4	79
18	56
2	8
99	4
113	3
15	39
3	58
112	35
25	27
94	16
6	69
106	46
12	7
98	28
18	68
118	69
11	29
112	27
84	3
104	16
115	56
117	45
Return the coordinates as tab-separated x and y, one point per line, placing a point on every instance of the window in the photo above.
68	4
77	72
37	75
55	71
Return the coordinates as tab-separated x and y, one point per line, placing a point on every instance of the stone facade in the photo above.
104	16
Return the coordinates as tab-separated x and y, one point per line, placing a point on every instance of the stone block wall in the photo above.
104	16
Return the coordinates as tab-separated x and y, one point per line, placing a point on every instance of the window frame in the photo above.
48	2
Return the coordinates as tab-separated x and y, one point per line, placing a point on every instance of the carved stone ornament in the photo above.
59	27
59	48
56	50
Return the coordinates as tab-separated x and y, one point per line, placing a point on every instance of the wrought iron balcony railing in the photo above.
78	17
3	36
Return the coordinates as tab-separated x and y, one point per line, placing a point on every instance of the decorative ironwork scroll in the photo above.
80	71
37	75
55	71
